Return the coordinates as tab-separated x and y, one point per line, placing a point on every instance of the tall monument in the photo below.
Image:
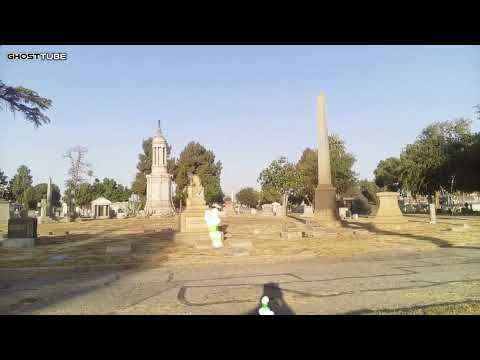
159	182
49	198
325	199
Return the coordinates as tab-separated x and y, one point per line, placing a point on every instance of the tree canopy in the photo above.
443	152
196	159
20	186
108	188
279	178
387	174
3	185
27	102
40	192
341	163
248	196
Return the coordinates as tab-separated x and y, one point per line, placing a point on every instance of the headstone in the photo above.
277	209
307	211
22	232
343	212
267	210
118	249
4	211
433	215
44	218
253	211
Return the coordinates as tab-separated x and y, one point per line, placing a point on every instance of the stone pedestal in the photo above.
22	232
158	195
193	227
4	211
326	206
388	213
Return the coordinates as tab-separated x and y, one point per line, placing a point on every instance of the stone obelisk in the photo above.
325	199
49	198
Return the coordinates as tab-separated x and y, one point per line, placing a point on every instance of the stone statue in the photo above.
43	208
195	191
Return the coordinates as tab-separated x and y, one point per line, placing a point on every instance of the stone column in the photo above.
49	197
325	199
433	215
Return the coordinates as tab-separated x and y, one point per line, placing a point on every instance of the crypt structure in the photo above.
159	181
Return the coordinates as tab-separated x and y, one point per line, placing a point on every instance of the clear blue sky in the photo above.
249	104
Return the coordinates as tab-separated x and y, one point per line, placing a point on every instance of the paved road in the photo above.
314	286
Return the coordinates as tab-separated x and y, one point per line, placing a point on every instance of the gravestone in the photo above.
22	232
118	249
433	215
342	211
267	210
4	211
277	209
308	211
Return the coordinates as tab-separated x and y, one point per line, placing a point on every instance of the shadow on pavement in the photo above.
277	303
25	291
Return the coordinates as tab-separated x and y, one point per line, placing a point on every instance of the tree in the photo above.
77	172
3	185
27	102
308	167
387	174
108	188
341	163
40	192
113	191
248	196
437	156
20	185
278	179
196	159
85	195
369	190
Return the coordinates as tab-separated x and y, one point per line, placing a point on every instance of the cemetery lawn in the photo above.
152	244
466	308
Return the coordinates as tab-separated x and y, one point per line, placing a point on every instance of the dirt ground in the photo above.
85	243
